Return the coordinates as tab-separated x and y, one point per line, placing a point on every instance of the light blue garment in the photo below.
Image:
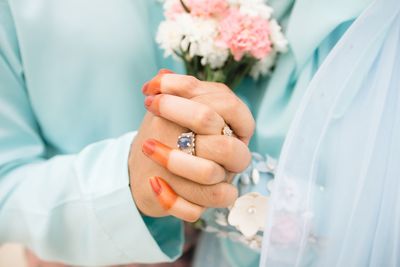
313	29
345	142
70	79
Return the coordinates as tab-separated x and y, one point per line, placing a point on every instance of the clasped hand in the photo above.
167	181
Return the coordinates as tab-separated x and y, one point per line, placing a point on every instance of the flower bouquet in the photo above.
222	40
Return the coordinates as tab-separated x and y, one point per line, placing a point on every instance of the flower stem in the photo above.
185	7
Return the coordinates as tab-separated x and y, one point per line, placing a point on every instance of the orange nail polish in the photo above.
144	88
152	104
155	185
165	71
153	86
149	147
148	101
165	194
156	151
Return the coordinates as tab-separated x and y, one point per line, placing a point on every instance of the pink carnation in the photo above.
200	8
173	10
245	34
207	8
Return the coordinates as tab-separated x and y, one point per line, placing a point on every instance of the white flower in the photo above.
263	66
255	8
169	36
194	35
212	54
249	214
279	41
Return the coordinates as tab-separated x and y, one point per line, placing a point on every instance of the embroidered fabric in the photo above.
257	178
345	136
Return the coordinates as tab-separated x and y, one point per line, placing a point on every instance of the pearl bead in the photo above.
251	210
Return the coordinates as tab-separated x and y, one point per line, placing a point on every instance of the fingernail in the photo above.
155	185
144	88
152	104
148	147
148	101
153	87
165	71
157	151
165	194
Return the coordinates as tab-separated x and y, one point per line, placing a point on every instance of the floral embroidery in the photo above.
249	214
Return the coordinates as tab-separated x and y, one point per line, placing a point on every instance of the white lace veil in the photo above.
336	199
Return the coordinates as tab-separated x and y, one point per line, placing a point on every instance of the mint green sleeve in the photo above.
74	208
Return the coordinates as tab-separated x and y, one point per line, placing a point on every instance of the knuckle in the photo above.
210	174
204	118
233	103
227	146
218	196
190	83
223	87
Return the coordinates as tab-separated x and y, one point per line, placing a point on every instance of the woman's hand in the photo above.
167	181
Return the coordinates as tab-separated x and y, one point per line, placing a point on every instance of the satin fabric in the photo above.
71	74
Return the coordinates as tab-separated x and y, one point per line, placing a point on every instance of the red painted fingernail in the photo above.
153	87
148	147
155	185
148	101
157	151
144	88
152	104
165	71
164	192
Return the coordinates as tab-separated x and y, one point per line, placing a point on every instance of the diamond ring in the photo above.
227	131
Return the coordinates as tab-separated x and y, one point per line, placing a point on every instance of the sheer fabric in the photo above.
336	198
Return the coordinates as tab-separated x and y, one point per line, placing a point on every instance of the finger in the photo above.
174	204
174	84
197	169
219	195
155	82
216	95
235	113
227	151
198	117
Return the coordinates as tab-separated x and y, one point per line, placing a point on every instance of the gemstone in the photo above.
227	131
185	142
